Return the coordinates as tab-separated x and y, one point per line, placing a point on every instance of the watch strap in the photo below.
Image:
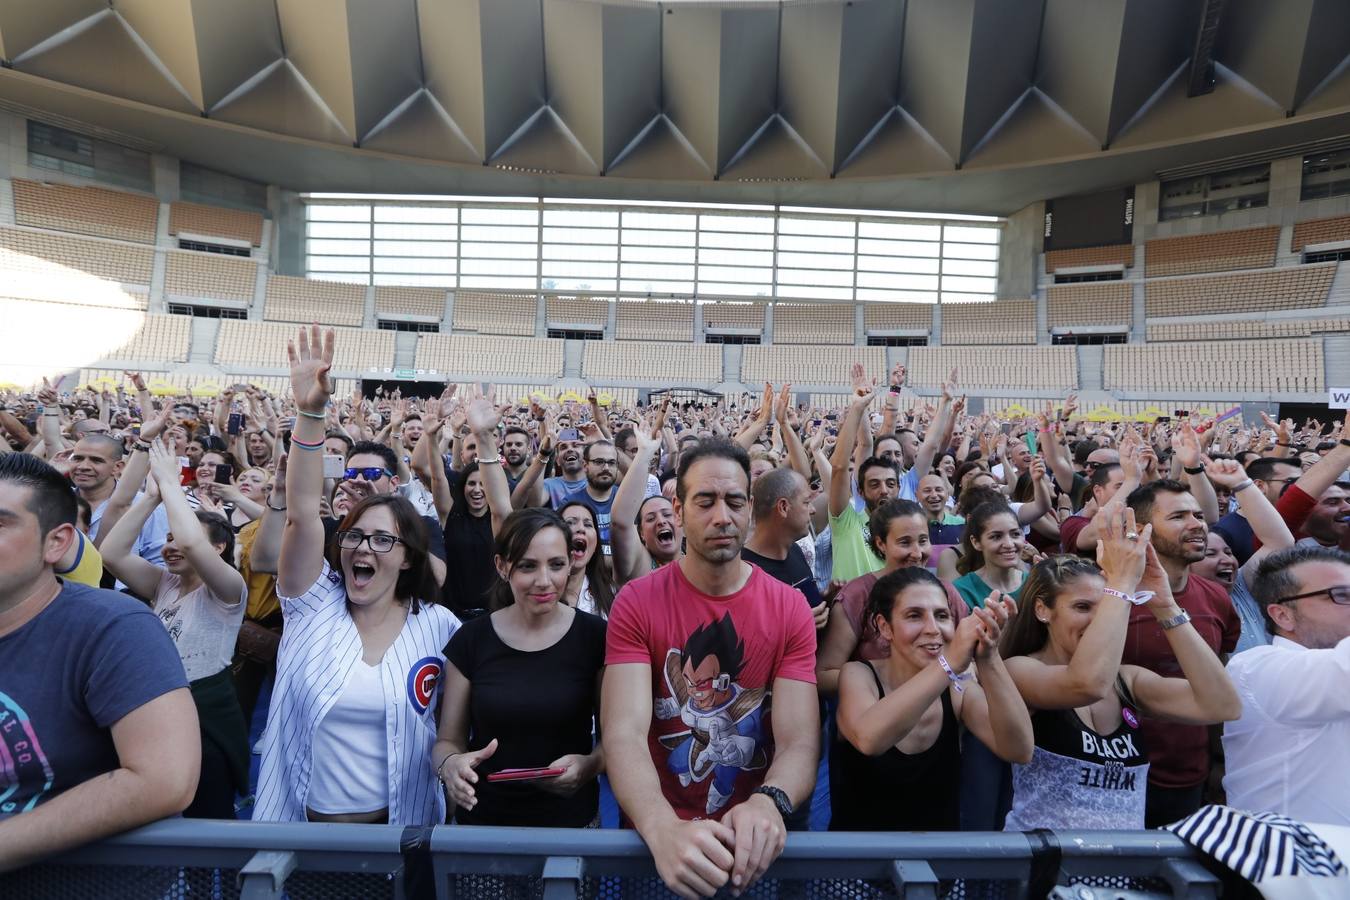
1176	621
779	797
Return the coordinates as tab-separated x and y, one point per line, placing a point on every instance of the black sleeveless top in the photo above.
898	791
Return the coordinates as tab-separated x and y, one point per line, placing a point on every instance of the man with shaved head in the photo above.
95	464
781	504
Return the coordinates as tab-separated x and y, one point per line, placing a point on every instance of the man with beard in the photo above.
643	530
516	452
696	651
602	470
1179	754
1284	755
1315	507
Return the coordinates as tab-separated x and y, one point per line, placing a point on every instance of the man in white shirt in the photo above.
1286	754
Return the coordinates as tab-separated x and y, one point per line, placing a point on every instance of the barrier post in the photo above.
562	877
264	876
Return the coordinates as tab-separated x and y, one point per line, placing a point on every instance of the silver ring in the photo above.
1132	536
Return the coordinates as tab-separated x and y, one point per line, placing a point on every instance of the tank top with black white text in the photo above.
1080	779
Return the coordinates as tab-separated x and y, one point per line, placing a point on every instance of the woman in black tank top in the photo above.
897	762
1090	769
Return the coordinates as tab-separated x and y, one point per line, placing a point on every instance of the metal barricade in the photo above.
185	860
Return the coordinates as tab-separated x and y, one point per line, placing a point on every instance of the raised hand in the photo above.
311	359
1186	445
782	406
164	467
482	414
1122	546
862	387
137	381
898	376
1224	472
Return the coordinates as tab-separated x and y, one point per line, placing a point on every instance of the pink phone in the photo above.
524	774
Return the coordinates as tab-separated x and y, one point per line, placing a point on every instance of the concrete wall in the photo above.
1019	252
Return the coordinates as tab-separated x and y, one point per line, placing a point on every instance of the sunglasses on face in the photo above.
372	473
1340	595
379	543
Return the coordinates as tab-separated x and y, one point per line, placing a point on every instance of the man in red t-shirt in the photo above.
1178	754
696	652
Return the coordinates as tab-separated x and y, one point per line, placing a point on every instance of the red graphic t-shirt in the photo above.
714	661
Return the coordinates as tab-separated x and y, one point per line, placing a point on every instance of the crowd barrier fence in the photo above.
187	860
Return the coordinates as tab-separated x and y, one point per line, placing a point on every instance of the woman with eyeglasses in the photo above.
1063	650
352	719
200	597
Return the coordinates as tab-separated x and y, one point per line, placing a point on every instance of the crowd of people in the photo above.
733	619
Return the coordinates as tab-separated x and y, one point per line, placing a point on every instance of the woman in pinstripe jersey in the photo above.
352	721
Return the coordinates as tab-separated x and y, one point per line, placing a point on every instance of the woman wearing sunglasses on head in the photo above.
352	721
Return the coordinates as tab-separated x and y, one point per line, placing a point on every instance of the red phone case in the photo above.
524	774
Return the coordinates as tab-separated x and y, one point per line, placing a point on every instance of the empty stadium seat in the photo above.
564	310
1083	257
654	320
291	299
241	345
86	210
1250	248
1296	287
1321	231
85	271
1216	367
997	322
897	317
410	301
1089	303
1237	329
665	364
729	314
216	221
813	323
188	274
489	356
802	365
494	313
1032	368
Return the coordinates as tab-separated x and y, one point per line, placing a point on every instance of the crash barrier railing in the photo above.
209	860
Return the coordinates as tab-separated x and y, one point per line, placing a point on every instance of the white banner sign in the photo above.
1338	398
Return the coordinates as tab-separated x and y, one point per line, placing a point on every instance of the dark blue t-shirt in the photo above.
86	661
602	509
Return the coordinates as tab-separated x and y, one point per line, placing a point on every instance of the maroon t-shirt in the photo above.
1069	530
1179	754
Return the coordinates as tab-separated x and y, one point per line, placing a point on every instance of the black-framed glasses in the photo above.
1340	595
369	473
379	543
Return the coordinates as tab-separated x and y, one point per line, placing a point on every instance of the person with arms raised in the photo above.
695	651
1091	762
200	597
900	717
352	720
108	729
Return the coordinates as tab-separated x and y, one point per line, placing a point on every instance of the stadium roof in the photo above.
976	106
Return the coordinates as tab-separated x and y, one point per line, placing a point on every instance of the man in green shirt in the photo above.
878	481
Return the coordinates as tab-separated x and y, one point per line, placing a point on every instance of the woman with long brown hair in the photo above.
1090	766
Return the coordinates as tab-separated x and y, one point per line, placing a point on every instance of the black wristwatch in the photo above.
1192	470
778	796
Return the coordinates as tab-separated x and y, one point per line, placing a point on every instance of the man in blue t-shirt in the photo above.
602	470
97	729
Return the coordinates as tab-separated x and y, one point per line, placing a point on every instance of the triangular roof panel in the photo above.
421	127
280	100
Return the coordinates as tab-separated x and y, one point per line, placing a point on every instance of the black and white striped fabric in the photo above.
1260	846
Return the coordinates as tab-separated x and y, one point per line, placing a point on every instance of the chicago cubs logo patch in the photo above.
422	679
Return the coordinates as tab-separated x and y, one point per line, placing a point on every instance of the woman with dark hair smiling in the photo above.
522	690
352	720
